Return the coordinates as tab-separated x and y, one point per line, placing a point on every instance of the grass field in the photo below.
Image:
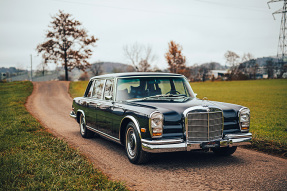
77	89
267	100
32	159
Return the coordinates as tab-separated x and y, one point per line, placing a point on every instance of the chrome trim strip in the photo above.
104	134
162	142
193	108
208	127
239	136
163	148
151	76
160	146
79	110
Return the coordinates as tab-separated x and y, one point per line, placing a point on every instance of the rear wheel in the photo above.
86	133
133	146
224	151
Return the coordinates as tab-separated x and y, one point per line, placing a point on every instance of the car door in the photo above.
86	103
107	107
96	102
93	100
89	110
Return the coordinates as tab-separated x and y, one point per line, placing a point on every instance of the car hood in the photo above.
179	107
173	110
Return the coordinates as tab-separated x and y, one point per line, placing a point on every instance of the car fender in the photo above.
135	121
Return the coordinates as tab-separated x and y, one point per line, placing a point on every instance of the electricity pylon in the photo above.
282	49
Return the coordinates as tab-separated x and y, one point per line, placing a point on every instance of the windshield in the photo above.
152	87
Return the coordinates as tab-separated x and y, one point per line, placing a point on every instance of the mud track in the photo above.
50	103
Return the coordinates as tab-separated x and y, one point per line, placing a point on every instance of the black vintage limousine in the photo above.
158	112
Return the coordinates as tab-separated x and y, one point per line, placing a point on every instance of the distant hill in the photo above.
113	67
262	62
105	67
213	66
11	70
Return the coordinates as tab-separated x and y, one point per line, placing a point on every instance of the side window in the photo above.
89	93
98	89
108	94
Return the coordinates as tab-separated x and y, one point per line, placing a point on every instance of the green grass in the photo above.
267	100
77	89
33	159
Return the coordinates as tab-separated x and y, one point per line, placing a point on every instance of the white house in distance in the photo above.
217	73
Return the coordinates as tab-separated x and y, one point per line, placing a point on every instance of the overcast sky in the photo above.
206	29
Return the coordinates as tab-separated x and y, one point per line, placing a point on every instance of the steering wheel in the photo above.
173	91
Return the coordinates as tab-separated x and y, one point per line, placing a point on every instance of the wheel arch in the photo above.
124	124
79	112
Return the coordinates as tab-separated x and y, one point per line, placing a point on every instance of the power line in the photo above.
161	12
231	5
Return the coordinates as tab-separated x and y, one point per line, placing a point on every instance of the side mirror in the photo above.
108	97
195	94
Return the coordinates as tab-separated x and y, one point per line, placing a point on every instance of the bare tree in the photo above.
231	58
175	59
42	67
67	43
246	57
140	56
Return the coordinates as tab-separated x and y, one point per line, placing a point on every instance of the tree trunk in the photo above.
66	67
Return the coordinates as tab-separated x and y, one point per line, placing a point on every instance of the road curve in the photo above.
50	103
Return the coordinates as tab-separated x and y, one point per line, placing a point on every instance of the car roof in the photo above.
132	74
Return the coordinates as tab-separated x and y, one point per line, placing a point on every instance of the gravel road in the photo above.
51	104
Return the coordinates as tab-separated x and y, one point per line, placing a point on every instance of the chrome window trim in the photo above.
115	89
92	86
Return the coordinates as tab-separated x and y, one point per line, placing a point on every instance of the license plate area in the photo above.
211	144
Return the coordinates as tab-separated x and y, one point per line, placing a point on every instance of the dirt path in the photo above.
245	170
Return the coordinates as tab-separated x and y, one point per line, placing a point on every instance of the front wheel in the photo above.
86	133
133	146
224	151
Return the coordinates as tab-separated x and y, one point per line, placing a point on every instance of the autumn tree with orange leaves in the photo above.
175	59
67	43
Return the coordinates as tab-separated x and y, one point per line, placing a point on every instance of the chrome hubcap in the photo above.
131	143
83	124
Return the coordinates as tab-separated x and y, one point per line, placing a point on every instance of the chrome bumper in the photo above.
159	146
73	115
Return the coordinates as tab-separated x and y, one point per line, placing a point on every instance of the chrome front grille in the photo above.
204	126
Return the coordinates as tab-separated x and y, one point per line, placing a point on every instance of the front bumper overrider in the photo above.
73	115
173	145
